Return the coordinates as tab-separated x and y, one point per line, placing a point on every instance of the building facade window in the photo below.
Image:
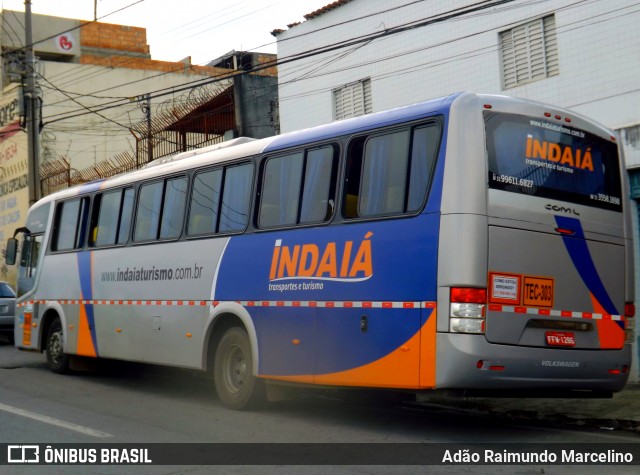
529	52
352	100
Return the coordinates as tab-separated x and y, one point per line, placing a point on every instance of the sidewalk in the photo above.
621	412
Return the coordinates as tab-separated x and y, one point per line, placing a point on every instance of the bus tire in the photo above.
235	383
57	360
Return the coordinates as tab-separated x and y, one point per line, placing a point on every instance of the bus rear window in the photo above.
546	159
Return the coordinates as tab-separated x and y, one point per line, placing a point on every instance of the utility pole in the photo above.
146	109
33	111
149	133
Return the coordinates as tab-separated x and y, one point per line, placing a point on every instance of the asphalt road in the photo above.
134	403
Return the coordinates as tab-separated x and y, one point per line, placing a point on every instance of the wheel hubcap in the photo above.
236	369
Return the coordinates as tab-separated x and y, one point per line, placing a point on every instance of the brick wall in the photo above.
114	37
132	41
148	64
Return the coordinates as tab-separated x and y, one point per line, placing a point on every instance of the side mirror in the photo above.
11	251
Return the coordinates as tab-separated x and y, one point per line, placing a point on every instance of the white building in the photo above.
581	55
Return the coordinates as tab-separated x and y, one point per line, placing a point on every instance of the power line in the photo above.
316	51
341	54
566	27
230	21
82	25
126	61
17	36
313	52
345	22
82	105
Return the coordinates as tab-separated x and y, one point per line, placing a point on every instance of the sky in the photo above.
202	29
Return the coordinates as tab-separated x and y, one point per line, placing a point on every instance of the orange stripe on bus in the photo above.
84	343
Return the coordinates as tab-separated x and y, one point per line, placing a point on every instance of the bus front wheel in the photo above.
57	360
236	385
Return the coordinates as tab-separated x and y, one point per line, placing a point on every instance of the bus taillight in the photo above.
629	309
467	310
468	295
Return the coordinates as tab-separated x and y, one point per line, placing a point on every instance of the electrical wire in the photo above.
308	75
124	62
82	25
310	53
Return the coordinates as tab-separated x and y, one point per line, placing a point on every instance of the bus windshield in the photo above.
542	158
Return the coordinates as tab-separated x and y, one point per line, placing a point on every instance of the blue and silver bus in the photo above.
471	242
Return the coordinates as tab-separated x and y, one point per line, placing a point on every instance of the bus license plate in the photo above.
560	339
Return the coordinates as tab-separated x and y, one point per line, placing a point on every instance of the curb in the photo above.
618	413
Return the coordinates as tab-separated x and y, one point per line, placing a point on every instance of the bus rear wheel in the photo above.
57	360
236	385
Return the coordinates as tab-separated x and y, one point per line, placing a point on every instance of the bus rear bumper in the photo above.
471	362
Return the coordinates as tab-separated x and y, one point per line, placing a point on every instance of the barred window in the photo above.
529	52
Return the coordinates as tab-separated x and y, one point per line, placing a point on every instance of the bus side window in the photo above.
104	219
148	211
426	141
319	186
161	209
220	200
298	188
384	174
281	190
389	174
236	198
175	198
70	225
352	178
205	201
111	218
126	213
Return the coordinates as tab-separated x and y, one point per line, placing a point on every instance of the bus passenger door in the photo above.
27	273
28	263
